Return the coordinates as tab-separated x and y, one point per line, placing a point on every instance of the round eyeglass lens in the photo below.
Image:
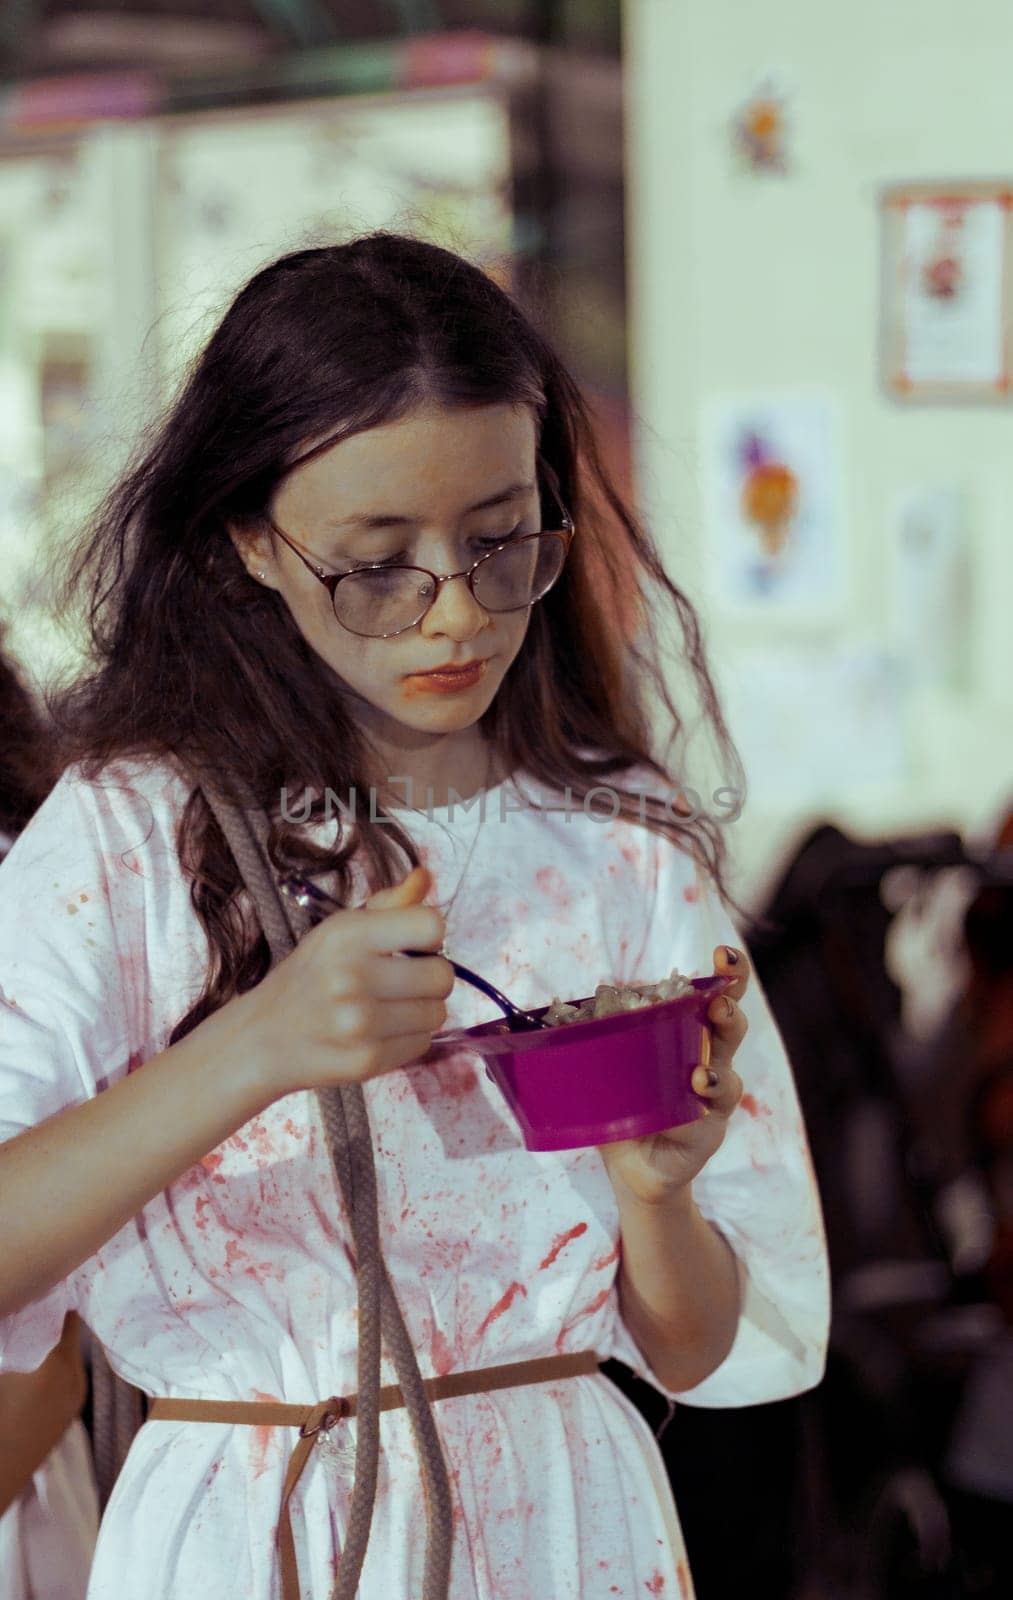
385	600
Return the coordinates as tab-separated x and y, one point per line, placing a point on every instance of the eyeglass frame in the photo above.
330	580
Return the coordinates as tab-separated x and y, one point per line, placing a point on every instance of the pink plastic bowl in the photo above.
587	1083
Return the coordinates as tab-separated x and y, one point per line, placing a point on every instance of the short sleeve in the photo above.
74	1006
759	1189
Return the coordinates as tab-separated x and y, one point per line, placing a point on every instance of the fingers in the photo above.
732	962
393	1019
360	1029
715	1080
728	1026
426	977
387	1054
414	927
720	1088
412	889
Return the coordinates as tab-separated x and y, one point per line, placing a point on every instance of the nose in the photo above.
455	612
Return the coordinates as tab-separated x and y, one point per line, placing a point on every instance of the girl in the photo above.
372	549
48	1500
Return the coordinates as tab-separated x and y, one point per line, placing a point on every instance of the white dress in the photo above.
235	1282
47	1535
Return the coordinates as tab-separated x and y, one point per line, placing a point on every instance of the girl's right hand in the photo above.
341	1008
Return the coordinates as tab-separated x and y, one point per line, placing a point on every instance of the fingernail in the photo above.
712	1078
730	956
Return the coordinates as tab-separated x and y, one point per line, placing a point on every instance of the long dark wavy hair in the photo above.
193	659
27	770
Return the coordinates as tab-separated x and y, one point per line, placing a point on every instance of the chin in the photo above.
441	717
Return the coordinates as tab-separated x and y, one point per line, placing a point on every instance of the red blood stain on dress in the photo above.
263	1145
261	1271
552	883
683	1576
752	1107
260	1444
134	978
691	894
606	1261
560	1241
655	1583
451	1079
262	1439
441	1353
588	1311
325	1224
504	1303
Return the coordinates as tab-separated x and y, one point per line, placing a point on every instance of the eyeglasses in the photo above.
379	600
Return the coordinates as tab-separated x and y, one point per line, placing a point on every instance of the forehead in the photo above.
433	463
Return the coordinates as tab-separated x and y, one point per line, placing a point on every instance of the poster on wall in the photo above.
772	490
947	291
930	587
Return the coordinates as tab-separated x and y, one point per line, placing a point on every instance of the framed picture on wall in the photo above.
947	291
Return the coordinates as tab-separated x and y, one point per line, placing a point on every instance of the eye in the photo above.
401	560
492	540
482	543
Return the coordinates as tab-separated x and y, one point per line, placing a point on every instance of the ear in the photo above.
256	551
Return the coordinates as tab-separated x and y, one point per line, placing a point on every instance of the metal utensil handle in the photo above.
303	891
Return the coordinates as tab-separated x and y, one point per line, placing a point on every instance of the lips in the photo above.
445	681
451	669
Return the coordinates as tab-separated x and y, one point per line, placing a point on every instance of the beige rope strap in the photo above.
316	1420
117	1413
345	1119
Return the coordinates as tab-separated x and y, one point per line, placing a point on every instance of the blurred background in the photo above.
775	245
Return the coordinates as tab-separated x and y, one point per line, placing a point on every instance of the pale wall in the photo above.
748	284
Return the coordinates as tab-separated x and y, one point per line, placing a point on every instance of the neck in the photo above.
463	763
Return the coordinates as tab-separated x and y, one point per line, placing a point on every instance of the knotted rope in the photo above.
117	1412
345	1119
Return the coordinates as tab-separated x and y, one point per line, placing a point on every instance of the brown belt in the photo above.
314	1420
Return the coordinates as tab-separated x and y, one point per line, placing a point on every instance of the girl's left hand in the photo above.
650	1170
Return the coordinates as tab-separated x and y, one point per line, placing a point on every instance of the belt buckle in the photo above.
332	1413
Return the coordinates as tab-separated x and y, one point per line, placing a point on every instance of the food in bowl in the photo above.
610	998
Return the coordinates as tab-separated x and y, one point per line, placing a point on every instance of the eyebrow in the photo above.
379	519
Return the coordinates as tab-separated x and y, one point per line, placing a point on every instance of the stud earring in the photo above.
260	573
